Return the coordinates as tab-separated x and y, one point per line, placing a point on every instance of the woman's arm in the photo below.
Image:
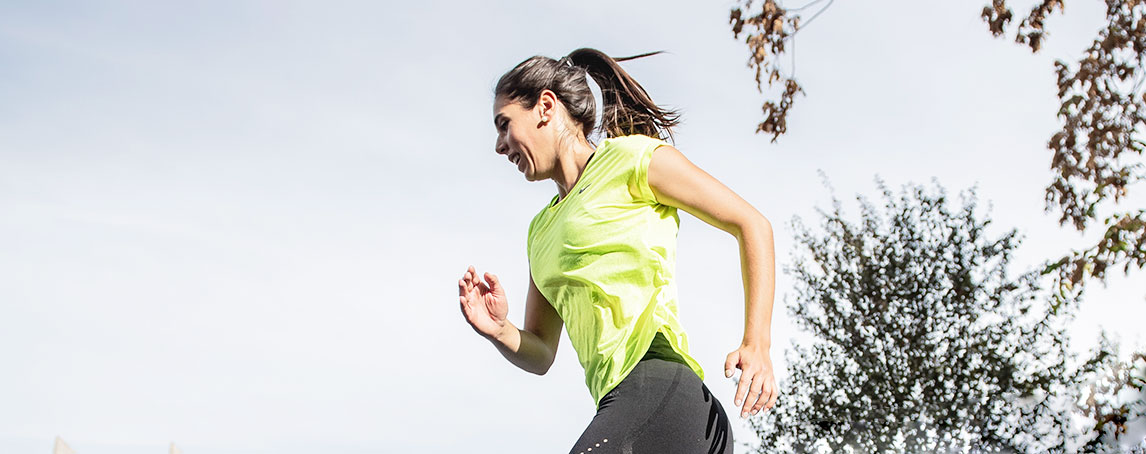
485	308
676	181
533	348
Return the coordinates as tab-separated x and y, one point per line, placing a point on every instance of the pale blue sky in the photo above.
239	225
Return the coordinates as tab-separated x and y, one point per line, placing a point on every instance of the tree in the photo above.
1097	156
1115	400
925	342
1097	153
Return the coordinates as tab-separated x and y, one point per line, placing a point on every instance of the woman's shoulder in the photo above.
631	140
631	145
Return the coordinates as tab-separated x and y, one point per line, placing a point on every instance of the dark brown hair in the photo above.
627	109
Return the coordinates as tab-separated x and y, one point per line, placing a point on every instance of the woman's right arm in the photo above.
534	347
485	307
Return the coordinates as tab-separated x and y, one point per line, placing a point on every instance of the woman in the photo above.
602	258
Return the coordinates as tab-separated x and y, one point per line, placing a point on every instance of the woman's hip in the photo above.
661	406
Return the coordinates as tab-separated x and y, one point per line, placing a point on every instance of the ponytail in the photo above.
627	108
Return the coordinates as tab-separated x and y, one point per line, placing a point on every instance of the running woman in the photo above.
602	259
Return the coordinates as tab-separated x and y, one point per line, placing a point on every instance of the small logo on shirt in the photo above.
583	189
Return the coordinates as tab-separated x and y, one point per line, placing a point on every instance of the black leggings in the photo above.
660	407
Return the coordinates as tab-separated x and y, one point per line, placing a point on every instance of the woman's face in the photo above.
522	138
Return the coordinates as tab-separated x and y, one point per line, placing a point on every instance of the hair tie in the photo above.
566	61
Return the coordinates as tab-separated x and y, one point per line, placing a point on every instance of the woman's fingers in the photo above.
731	362
762	392
753	394
471	289
466	292
465	308
742	387
493	282
474	285
773	392
470	281
463	292
756	389
471	294
765	394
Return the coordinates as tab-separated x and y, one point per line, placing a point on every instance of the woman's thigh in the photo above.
660	407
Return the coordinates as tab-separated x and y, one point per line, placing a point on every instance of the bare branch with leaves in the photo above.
769	28
1098	151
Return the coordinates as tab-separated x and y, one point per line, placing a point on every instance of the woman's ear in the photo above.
547	106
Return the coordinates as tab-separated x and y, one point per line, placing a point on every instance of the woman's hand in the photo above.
756	378
484	306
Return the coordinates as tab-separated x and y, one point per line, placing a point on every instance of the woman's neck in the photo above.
571	163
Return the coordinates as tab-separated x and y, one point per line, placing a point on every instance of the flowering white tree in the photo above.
925	342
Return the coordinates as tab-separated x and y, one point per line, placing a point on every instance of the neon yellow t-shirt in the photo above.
604	256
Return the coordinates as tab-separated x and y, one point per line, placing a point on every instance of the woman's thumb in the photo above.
731	362
494	284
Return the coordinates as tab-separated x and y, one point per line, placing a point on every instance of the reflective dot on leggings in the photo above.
598	445
606	440
590	449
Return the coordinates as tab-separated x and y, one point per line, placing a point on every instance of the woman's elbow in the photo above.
545	360
543	367
753	225
542	370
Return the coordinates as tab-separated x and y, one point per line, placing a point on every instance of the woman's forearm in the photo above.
758	269
524	349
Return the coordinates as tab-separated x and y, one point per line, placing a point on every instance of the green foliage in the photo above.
925	341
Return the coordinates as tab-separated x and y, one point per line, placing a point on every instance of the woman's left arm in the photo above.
676	181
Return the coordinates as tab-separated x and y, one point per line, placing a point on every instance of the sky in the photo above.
238	226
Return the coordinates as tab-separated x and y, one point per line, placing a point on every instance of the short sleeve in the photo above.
646	146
